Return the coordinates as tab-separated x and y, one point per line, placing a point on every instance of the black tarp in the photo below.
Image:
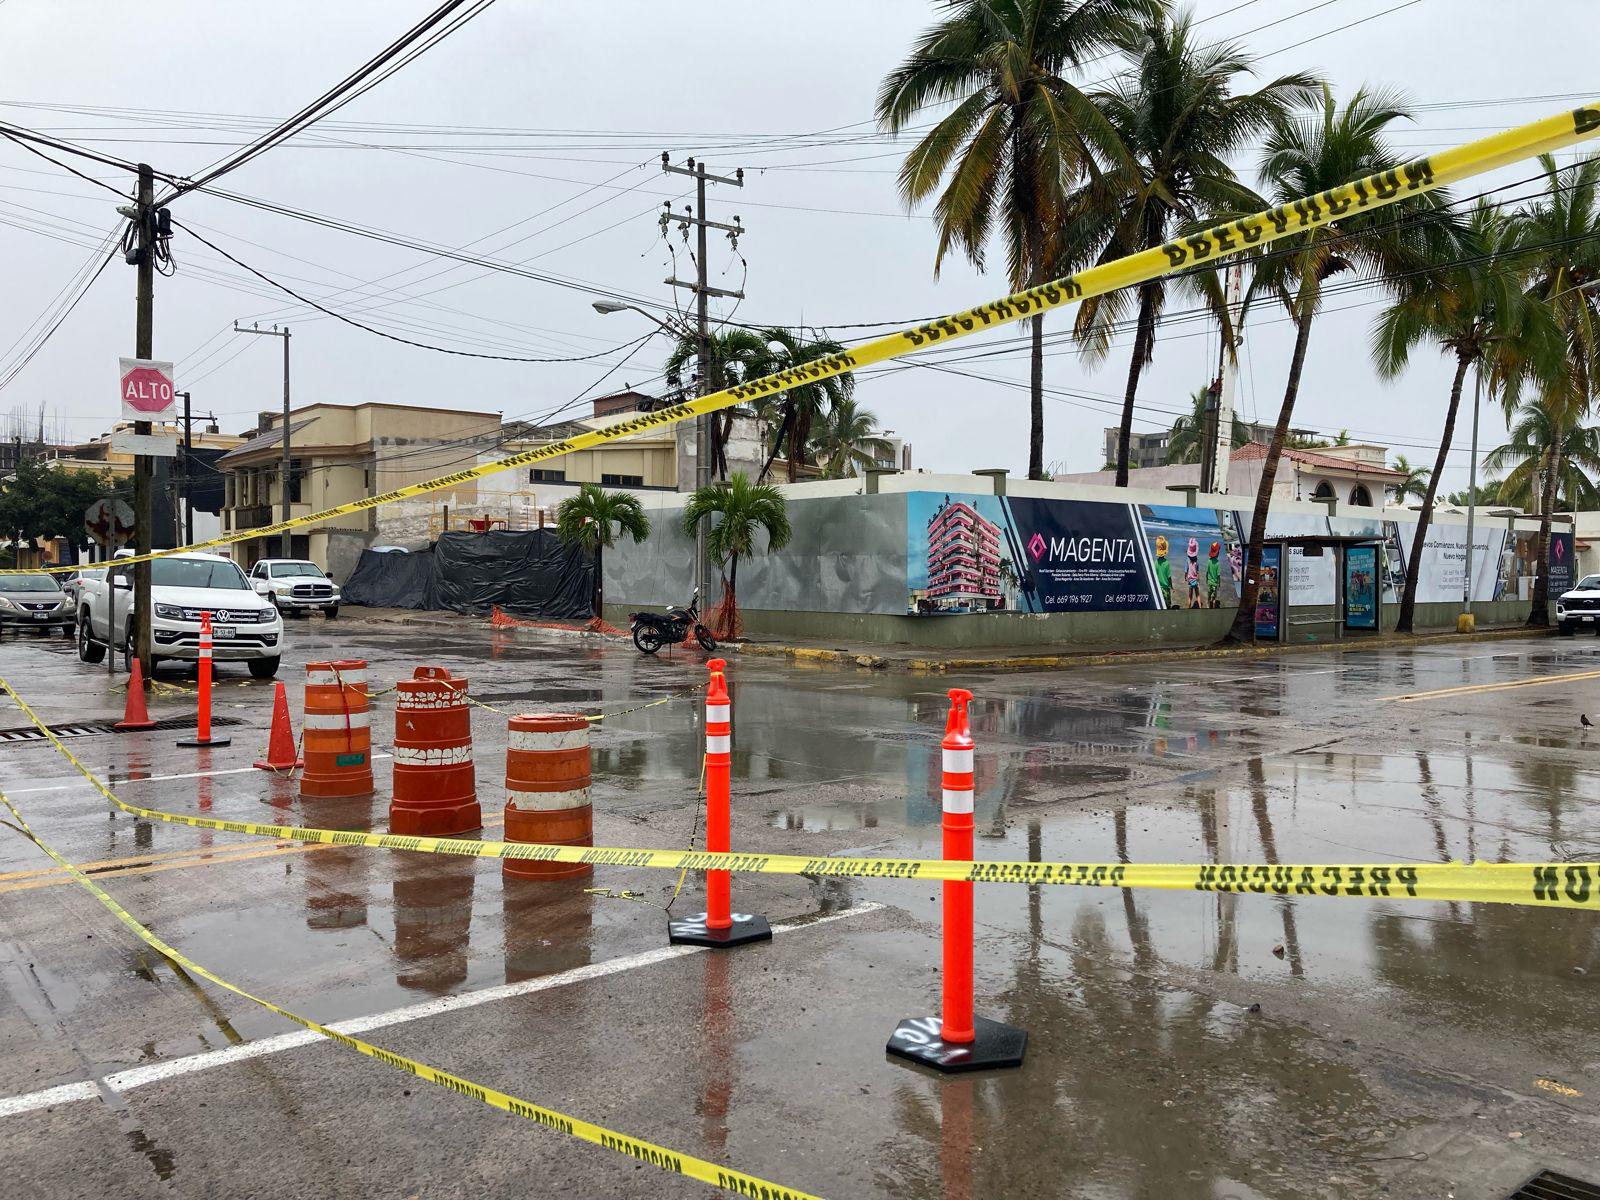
389	580
530	574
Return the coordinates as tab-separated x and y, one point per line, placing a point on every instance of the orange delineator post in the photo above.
719	926
203	732
957	1040
337	731
134	714
435	783
956	748
281	754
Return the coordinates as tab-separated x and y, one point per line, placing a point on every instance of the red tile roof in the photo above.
1310	458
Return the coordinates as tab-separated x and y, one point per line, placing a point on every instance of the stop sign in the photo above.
147	390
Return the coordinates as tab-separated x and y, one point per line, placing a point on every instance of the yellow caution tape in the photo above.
1562	885
635	1148
1196	249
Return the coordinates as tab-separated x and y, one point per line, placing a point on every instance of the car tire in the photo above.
1566	629
331	611
263	668
89	650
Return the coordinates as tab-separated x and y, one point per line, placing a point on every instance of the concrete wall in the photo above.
844	575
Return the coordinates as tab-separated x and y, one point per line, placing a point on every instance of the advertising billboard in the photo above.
1361	587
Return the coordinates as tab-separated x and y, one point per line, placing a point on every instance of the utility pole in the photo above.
704	440
144	347
188	499
284	468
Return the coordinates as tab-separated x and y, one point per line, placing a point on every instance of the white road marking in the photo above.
136	1077
67	787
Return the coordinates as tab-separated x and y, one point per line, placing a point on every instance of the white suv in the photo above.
295	585
1579	608
244	627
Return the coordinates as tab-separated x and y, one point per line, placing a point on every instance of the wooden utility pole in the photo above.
143	348
706	443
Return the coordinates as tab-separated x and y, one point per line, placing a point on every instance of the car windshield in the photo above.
1589	583
28	583
197	573
281	570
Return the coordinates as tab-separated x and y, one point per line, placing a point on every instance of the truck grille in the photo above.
1582	604
312	591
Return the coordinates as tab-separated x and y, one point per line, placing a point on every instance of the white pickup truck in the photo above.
244	626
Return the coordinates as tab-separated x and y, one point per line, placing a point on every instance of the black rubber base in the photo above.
199	743
916	1039
692	931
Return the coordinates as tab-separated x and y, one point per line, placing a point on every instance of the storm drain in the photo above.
30	733
1552	1185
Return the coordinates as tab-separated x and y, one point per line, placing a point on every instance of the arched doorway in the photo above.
1324	491
1360	496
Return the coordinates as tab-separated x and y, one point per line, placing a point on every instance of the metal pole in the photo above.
1472	490
188	478
285	469
144	339
702	432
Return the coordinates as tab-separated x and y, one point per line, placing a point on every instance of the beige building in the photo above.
342	453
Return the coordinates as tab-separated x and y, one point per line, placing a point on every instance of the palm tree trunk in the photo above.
777	443
799	439
1036	401
1408	597
1244	620
1539	613
599	580
1144	334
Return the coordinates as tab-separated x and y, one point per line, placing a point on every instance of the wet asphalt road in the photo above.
1414	1049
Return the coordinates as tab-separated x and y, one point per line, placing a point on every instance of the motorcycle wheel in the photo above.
703	636
647	639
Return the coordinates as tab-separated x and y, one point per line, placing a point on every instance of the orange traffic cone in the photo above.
134	714
280	746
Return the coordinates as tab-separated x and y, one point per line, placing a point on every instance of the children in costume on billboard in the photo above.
1191	573
1163	572
1213	575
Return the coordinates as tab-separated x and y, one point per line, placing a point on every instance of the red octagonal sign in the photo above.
147	390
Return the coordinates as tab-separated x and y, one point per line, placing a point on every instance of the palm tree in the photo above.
744	509
1186	444
592	518
736	355
1559	236
1306	154
800	408
1177	121
1470	305
1547	459
1414	478
1016	138
848	441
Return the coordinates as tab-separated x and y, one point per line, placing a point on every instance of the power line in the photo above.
362	79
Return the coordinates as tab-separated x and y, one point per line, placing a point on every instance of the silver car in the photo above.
37	601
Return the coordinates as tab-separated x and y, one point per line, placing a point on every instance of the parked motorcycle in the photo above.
651	631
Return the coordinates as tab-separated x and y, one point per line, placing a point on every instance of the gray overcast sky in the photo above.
554	116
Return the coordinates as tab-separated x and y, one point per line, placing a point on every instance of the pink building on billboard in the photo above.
963	558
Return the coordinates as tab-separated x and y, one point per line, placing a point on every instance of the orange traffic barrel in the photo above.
547	791
337	732
435	785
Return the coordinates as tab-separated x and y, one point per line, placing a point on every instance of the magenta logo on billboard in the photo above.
1560	548
1037	547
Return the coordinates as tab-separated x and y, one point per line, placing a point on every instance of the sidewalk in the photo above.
1032	658
876	656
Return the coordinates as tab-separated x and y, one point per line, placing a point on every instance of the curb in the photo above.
1043	662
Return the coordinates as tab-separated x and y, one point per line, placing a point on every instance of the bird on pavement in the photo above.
1583	719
